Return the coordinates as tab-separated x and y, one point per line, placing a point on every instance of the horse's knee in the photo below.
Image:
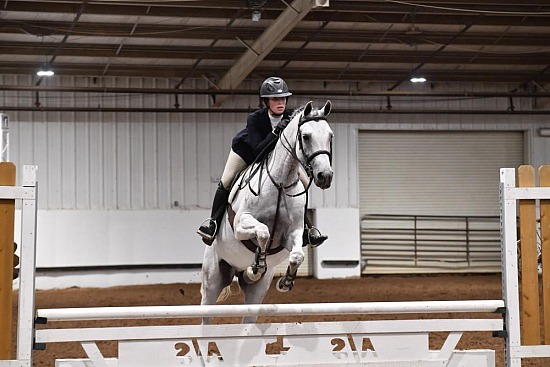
296	258
259	231
262	232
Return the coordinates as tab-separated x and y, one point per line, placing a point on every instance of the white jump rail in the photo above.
509	194
353	308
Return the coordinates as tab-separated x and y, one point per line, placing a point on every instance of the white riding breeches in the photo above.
233	166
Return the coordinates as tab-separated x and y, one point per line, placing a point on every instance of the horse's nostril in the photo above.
324	176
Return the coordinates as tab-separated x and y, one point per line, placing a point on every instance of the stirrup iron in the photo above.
206	236
311	231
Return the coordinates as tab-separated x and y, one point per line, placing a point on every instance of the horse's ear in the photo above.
308	108
327	107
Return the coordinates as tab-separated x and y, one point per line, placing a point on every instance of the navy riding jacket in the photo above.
250	142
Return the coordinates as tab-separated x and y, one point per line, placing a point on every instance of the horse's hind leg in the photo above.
216	275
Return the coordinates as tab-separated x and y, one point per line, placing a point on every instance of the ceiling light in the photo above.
256	15
256	7
418	79
45	71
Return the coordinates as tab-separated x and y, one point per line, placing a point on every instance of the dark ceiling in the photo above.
447	41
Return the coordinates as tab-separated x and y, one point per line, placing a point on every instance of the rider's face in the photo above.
277	105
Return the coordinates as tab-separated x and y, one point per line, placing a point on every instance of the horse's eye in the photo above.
306	137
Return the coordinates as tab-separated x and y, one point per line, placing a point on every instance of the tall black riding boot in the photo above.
312	236
209	228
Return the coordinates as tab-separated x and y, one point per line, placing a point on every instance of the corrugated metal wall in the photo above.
148	164
123	160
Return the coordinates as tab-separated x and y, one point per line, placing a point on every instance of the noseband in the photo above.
310	157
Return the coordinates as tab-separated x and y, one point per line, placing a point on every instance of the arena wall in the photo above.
135	185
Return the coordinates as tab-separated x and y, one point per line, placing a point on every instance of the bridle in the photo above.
310	157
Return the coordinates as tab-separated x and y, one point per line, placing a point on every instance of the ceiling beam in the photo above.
266	42
492	75
160	31
295	92
346	55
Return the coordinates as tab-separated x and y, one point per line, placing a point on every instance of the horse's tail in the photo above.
227	292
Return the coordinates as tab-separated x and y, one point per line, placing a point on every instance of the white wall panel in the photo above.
109	159
150	173
82	165
137	161
188	139
122	159
55	172
97	166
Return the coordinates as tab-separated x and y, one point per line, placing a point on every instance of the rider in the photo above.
262	128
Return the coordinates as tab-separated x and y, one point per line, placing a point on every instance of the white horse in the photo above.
264	222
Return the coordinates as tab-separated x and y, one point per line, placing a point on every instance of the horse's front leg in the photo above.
247	227
296	259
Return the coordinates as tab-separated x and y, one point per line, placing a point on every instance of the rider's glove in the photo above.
280	126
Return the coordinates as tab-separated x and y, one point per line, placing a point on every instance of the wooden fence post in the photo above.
544	181
530	319
7	222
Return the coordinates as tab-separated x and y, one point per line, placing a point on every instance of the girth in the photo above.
248	243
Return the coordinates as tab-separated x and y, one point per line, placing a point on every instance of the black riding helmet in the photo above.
273	87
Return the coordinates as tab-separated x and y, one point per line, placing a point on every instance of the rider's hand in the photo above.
280	126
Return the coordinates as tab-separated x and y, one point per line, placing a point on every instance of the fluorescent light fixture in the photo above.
544	132
418	79
45	72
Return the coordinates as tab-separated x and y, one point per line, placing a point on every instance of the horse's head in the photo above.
314	147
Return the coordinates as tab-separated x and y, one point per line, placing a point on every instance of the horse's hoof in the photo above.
282	286
249	276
